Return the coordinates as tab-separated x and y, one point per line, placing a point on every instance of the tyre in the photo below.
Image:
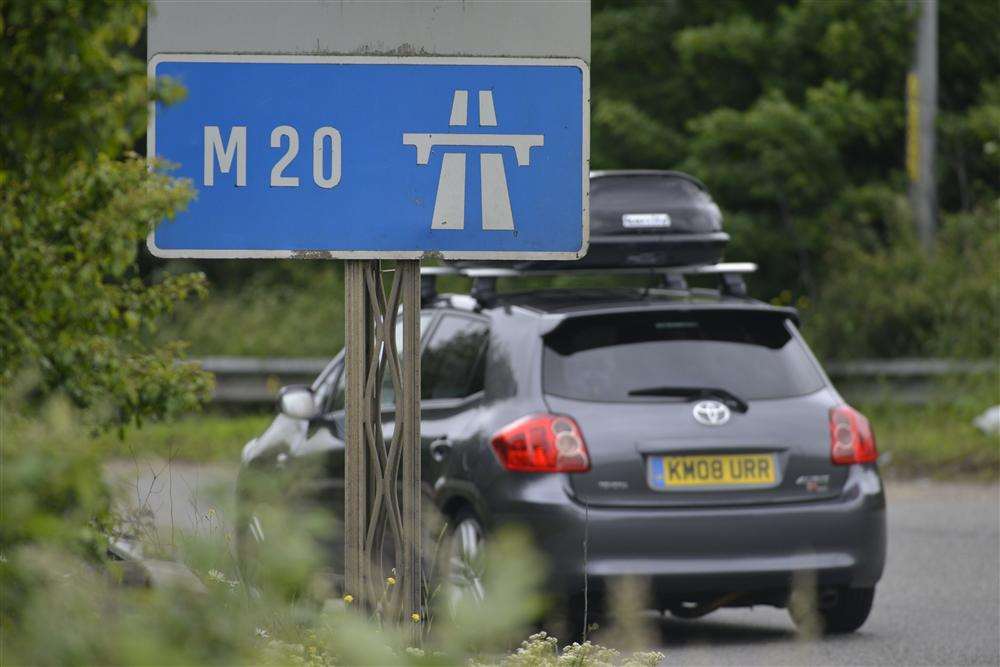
845	612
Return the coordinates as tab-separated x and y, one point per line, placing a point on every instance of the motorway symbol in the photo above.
449	204
301	156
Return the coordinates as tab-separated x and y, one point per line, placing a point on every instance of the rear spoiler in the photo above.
782	312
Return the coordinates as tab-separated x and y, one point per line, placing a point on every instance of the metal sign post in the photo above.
378	510
375	131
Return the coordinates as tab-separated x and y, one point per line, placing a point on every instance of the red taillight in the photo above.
851	437
542	443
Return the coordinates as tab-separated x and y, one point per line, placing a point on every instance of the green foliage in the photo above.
970	141
53	501
75	206
944	304
794	116
292	309
49	496
70	88
939	440
199	438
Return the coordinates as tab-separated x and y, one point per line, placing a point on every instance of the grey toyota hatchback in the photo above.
691	434
686	436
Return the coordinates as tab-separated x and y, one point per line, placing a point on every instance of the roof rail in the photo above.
691	270
484	279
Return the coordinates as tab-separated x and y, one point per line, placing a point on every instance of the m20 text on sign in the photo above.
376	157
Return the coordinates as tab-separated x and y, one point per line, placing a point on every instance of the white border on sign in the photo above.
318	253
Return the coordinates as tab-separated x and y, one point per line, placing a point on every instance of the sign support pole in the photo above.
357	357
408	410
382	479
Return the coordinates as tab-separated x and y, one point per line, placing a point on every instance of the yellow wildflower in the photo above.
348	599
391	581
415	617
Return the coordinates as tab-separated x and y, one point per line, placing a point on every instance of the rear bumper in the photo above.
707	551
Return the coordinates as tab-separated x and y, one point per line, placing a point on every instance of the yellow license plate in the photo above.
671	472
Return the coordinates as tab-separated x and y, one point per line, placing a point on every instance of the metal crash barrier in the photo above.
254	381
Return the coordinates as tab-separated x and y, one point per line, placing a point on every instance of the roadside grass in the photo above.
201	438
936	441
276	323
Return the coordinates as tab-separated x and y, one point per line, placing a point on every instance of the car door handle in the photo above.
440	449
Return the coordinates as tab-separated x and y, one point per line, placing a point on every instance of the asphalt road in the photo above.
938	603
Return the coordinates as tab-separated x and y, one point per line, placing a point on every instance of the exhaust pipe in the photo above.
828	598
689	610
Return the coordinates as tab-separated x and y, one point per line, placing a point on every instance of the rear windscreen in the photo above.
612	357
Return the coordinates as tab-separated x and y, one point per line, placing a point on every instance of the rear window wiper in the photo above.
694	393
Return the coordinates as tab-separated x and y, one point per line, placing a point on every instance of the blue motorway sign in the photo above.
371	157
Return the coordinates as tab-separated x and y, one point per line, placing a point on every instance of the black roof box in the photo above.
644	218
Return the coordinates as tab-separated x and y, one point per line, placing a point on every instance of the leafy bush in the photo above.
54	503
75	205
891	299
786	110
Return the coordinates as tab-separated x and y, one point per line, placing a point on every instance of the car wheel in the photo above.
847	612
465	557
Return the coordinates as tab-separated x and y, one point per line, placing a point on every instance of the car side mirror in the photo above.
298	402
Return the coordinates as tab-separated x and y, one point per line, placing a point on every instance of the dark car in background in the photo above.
688	434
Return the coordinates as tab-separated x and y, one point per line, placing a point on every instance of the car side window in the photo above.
453	362
323	385
338	396
388	391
